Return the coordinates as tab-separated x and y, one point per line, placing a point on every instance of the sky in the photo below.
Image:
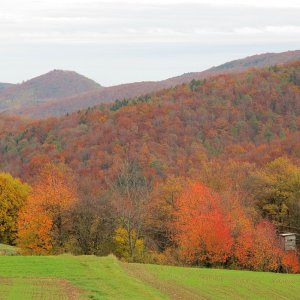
120	41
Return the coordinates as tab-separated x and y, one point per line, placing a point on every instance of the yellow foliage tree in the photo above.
121	239
12	196
276	189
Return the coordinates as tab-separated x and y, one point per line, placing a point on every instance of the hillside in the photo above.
235	135
90	277
54	84
76	101
251	116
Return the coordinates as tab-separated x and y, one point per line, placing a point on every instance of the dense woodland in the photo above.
203	174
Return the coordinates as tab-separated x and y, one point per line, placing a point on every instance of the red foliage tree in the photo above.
290	262
201	229
258	248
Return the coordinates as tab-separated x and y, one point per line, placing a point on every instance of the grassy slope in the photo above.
69	277
194	283
8	250
97	277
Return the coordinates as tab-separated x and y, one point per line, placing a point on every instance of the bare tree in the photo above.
130	197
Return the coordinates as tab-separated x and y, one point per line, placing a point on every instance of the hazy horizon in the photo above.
121	41
125	82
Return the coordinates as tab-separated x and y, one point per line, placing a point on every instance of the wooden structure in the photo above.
288	241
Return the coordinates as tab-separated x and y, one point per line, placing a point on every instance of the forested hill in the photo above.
54	84
252	116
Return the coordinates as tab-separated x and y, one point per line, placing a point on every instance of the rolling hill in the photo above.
23	101
54	84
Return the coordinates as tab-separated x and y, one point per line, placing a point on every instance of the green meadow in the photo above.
91	277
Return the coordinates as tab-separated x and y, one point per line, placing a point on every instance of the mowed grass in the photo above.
90	277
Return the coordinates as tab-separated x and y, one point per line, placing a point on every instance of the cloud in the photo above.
269	30
163	31
265	3
96	24
158	36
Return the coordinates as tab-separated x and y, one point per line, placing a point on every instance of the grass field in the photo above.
90	277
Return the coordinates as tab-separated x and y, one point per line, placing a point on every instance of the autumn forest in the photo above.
205	173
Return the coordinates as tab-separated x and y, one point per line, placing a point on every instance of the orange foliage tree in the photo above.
163	200
43	219
34	230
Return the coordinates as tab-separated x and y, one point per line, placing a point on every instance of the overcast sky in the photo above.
118	41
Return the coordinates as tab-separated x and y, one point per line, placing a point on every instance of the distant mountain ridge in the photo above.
52	85
94	94
4	85
70	104
239	65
